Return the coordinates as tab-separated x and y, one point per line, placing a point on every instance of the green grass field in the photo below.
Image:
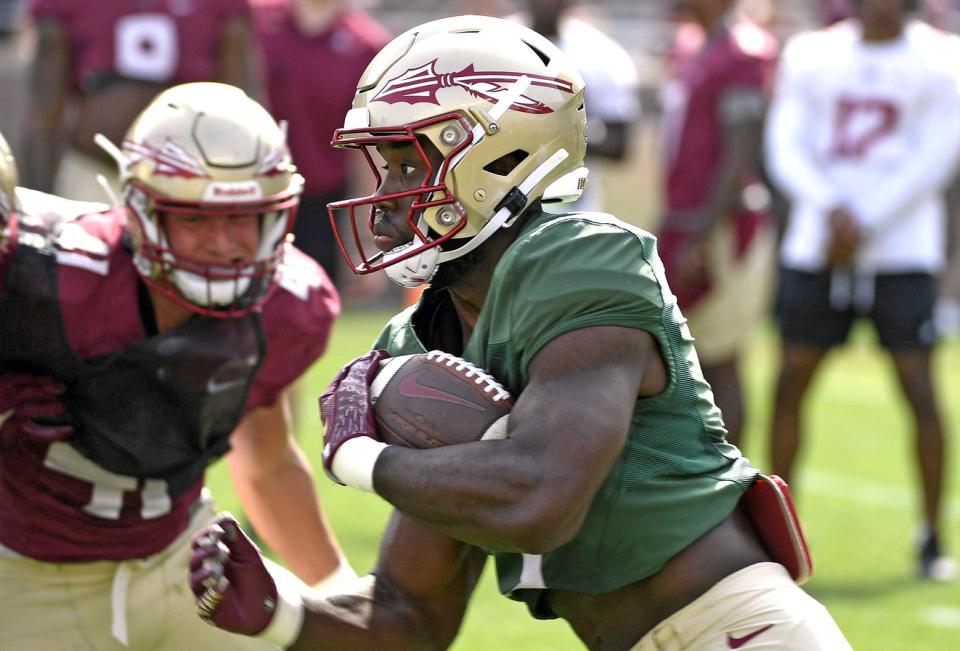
857	495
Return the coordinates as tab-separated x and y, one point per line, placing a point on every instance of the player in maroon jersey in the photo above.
716	239
98	64
338	41
137	345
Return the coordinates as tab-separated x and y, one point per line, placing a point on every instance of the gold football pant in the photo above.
723	321
758	608
93	606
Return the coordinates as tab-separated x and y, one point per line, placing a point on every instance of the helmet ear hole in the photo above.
504	165
540	53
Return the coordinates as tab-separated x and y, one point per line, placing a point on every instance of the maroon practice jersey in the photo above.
740	59
311	81
161	41
711	81
58	505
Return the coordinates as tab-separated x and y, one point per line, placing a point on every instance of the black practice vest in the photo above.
161	408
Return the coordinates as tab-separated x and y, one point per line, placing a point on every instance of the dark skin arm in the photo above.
530	493
239	61
740	155
49	90
415	598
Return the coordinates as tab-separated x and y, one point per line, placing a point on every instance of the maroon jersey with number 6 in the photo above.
160	41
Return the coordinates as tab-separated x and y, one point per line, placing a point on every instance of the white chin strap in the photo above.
419	269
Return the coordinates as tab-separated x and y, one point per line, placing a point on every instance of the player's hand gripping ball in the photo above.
345	406
434	399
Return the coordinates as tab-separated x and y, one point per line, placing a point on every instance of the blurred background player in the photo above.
716	238
863	138
98	64
314	51
611	78
138	345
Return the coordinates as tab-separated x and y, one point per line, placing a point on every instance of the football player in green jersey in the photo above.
614	502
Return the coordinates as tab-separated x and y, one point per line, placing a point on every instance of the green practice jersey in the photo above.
676	477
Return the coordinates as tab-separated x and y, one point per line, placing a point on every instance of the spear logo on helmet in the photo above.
171	159
421	84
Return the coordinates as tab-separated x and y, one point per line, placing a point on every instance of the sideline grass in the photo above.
859	498
857	493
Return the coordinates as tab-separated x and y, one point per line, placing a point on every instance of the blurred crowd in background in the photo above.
306	75
645	30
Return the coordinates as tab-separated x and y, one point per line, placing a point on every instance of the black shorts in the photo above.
818	309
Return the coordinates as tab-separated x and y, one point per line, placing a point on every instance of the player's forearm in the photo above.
740	150
368	621
240	58
39	162
38	165
739	112
283	506
791	162
49	88
491	499
240	591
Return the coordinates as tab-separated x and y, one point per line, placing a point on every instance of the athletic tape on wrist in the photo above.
284	629
337	582
354	461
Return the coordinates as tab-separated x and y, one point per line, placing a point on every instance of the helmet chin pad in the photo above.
413	271
568	187
209	293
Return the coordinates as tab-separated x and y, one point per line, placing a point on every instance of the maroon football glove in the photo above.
233	587
32	406
345	407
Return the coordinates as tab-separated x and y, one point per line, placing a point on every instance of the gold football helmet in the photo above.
207	149
479	89
8	196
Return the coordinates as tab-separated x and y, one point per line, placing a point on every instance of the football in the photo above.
434	399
